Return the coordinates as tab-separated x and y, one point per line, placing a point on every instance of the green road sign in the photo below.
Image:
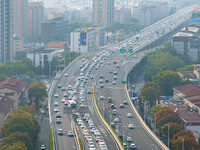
124	82
122	50
130	50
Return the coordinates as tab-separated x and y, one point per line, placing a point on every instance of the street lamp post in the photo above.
168	133
182	143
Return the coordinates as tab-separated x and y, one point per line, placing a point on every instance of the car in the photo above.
108	63
101	142
62	89
89	139
125	145
101	81
60	131
115	78
114	83
66	103
115	72
56	103
130	126
107	80
91	144
58	120
112	106
56	110
56	95
63	100
121	106
59	86
125	102
135	56
110	99
98	138
114	112
102	98
129	139
65	94
101	86
110	71
116	120
92	147
58	115
132	146
42	147
101	77
112	124
66	75
70	133
89	91
117	66
114	62
129	115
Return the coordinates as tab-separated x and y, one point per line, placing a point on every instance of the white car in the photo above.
63	100
129	139
66	75
129	115
56	103
56	110
130	126
56	95
132	146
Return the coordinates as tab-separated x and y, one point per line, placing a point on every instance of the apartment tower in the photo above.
6	31
20	17
35	20
103	13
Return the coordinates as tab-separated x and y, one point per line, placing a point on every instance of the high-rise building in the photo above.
20	17
6	30
54	30
35	20
103	13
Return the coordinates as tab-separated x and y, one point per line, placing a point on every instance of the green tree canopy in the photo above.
14	146
156	109
186	68
167	80
150	93
37	93
2	77
18	137
21	121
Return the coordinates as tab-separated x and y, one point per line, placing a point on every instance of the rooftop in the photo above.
188	90
183	34
6	104
15	84
190	29
187	74
185	112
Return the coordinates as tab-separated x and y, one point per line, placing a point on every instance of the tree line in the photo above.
21	129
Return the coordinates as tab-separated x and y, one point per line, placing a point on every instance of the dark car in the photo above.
112	106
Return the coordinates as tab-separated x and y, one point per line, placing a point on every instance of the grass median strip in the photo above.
51	139
81	143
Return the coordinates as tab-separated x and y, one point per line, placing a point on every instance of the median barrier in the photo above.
106	124
155	138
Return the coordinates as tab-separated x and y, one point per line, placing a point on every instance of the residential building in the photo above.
186	42
189	94
6	108
193	76
103	13
16	89
20	17
38	57
87	39
54	30
35	20
189	116
6	31
18	44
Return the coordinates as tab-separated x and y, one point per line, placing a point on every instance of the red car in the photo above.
98	138
121	106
